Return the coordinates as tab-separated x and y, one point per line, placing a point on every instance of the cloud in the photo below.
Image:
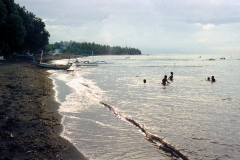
236	38
208	26
157	26
50	20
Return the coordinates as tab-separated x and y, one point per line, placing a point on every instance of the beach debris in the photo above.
163	144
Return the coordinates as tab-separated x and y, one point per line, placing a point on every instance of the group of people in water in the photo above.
212	79
165	79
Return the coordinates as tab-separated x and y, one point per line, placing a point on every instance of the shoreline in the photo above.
73	152
30	124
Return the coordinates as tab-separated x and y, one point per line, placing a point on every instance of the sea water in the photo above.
110	113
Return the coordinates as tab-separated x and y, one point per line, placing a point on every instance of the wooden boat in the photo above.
89	63
52	66
98	62
77	63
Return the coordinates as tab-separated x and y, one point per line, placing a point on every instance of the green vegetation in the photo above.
20	31
85	48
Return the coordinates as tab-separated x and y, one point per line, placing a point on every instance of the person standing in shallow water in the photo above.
164	80
213	79
171	76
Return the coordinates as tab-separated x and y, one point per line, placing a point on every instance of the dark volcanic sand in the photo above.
29	121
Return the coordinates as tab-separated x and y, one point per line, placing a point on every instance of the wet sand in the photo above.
29	121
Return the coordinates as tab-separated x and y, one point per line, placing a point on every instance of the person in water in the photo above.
164	80
171	76
208	79
213	79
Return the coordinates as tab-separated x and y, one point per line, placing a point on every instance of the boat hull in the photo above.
85	64
52	66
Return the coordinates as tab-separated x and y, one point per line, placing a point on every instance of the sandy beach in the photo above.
30	124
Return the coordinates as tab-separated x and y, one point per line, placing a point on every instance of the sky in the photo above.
153	26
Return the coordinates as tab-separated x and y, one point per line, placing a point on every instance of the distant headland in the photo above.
87	48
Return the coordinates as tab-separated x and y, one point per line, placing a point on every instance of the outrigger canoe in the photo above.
84	63
52	66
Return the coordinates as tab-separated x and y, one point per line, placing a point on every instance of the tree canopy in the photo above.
20	30
86	48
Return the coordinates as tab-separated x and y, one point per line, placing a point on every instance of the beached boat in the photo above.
52	66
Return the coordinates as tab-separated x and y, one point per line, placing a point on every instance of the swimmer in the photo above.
171	76
164	80
213	79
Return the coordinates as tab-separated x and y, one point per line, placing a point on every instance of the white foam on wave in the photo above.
85	93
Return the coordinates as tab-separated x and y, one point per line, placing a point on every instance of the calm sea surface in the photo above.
109	113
